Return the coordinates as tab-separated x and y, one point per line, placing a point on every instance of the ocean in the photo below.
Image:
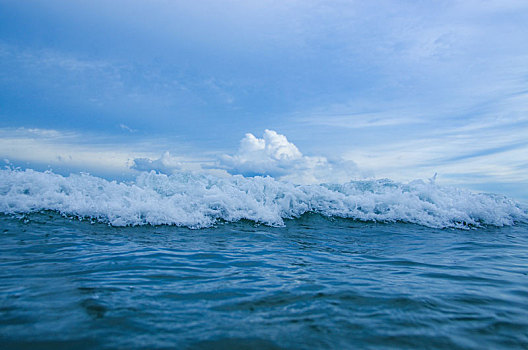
193	261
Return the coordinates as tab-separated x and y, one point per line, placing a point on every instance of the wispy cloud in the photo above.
74	151
497	155
127	128
42	58
360	120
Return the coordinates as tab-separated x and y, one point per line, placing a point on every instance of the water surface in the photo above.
318	282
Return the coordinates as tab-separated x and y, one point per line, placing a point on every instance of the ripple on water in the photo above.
316	283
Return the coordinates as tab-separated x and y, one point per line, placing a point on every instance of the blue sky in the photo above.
365	88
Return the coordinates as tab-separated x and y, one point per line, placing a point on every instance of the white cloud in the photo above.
64	150
275	156
461	156
166	164
271	155
361	120
127	128
71	152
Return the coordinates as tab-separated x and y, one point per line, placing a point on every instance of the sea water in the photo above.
202	262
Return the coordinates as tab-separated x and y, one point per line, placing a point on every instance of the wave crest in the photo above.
200	200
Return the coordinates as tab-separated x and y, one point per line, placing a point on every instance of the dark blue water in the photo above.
316	283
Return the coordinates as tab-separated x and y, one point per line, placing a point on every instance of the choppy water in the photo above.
201	200
317	282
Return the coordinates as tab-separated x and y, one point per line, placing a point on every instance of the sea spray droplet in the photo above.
200	200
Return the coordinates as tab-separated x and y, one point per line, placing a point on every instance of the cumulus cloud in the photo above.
275	156
271	155
166	164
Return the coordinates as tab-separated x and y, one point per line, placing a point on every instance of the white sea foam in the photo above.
198	200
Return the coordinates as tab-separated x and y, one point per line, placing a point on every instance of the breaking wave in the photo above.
199	200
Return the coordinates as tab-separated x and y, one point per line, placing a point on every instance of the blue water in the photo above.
316	283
